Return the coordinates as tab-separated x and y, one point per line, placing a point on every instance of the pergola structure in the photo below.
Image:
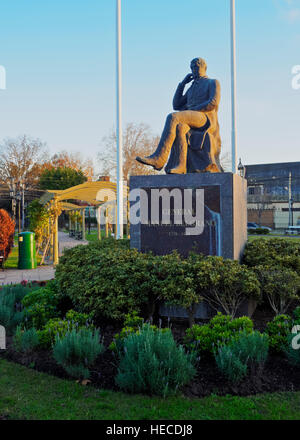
101	195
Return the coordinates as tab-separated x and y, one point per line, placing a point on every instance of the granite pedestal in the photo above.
218	202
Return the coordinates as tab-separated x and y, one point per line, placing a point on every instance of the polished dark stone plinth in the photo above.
220	228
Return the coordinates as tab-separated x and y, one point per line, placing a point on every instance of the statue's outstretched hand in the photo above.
189	77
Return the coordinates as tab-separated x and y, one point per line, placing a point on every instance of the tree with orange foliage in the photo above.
7	229
73	161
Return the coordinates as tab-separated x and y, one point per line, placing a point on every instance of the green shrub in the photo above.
77	350
108	280
221	330
259	231
274	252
11	310
278	330
230	365
132	324
226	284
281	286
59	327
292	353
296	316
26	340
223	284
247	354
152	363
41	305
178	282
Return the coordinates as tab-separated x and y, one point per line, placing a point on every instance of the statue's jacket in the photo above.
204	96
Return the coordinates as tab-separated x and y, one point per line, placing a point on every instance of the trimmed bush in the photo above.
292	353
281	286
11	309
26	341
59	327
133	324
247	354
179	283
41	305
226	284
77	350
7	230
274	252
259	231
278	330
230	365
152	363
220	331
107	280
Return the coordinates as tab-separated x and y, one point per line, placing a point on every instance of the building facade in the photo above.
274	194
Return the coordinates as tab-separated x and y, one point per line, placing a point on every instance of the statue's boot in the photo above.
152	161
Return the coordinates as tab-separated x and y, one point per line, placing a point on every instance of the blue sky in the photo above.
60	63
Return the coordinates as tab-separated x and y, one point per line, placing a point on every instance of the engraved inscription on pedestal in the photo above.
205	213
185	220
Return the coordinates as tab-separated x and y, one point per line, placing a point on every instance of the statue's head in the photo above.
198	67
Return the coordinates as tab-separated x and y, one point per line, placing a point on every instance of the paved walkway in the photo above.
66	242
42	273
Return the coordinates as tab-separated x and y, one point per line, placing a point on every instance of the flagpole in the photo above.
119	126
233	88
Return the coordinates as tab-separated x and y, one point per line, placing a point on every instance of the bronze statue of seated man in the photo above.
190	142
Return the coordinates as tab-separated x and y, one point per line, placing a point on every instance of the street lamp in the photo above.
16	193
241	169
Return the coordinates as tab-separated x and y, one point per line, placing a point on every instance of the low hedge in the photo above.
106	279
273	252
259	231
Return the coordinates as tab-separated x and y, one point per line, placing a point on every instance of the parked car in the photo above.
293	230
253	226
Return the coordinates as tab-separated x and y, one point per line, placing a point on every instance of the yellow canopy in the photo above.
93	193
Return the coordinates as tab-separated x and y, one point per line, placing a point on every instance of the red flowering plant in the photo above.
7	229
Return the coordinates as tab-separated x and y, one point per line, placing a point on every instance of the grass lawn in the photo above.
93	236
12	260
27	394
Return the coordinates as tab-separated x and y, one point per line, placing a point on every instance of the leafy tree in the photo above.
61	178
225	284
64	159
38	218
7	229
280	285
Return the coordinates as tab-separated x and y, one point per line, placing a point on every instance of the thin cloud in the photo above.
289	9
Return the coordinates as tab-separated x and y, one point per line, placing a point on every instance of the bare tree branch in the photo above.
137	140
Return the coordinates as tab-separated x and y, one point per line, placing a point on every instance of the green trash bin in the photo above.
27	252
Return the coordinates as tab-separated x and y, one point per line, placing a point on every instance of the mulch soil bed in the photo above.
277	376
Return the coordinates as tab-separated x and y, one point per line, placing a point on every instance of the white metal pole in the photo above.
119	126
233	88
